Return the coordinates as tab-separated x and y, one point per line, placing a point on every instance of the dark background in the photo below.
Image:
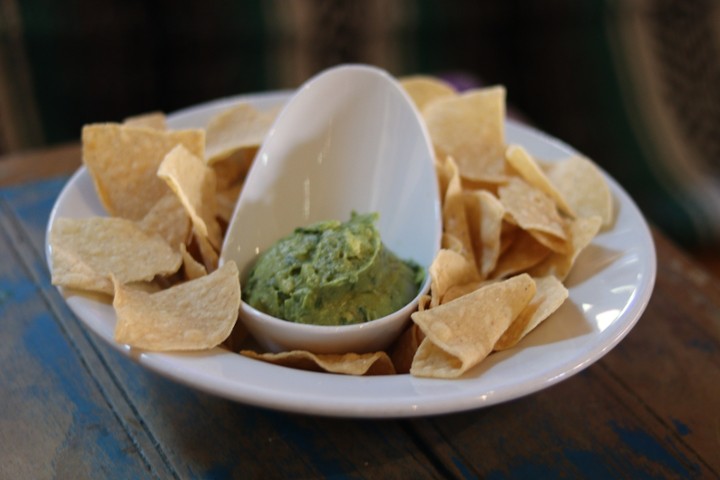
569	68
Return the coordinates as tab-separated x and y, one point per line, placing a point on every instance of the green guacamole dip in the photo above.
332	273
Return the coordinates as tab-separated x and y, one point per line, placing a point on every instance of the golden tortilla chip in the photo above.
444	169
531	208
524	252
226	200
168	219
584	187
208	254
455	220
404	348
191	267
194	184
377	363
424	89
238	127
232	170
447	269
461	333
449	241
195	315
549	296
581	232
457	291
521	160
123	162
156	120
86	252
485	215
471	128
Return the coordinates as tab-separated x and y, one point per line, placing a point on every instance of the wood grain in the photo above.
34	165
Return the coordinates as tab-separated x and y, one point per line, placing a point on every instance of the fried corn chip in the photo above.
235	128
455	220
123	162
156	120
457	291
191	267
532	209
524	253
581	232
447	269
195	315
550	294
194	184
521	160
169	219
584	187
208	254
226	200
86	252
485	215
471	128
377	363
404	348
424	89
232	170
461	333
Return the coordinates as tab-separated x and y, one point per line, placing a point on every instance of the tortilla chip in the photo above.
549	296
208	254
449	241
455	220
225	201
231	170
457	291
584	187
168	219
461	333
531	208
123	162
485	215
424	89
447	269
191	267
581	232
471	128
238	127
195	315
154	120
532	173
377	363
85	253
404	348
194	184
524	253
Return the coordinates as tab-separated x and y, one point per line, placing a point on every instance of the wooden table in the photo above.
71	407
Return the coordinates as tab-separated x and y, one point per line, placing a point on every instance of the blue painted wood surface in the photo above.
71	407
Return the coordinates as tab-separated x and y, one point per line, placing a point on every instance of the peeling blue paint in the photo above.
60	367
645	445
705	345
681	428
462	468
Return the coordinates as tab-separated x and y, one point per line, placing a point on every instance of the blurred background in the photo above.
631	84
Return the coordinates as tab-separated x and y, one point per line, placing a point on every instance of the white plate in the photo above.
610	287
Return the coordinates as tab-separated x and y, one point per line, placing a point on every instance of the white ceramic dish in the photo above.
349	140
609	289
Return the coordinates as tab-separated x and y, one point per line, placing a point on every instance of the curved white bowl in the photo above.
349	140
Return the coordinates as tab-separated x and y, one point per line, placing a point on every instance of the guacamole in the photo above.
332	273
